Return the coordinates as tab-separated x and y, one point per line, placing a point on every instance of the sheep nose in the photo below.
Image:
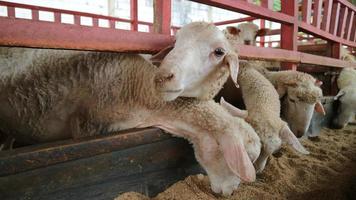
247	42
299	133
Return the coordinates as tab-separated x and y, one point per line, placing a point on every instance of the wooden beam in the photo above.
350	22
22	32
306	10
342	22
325	25
334	18
134	15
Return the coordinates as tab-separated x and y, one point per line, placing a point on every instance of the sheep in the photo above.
263	107
244	33
347	97
300	92
63	94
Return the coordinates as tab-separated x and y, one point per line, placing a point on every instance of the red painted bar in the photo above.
233	21
306	10
353	30
95	22
10	11
267	4
334	18
134	15
325	25
342	21
317	13
289	32
21	32
57	17
249	9
112	24
349	24
162	18
348	4
307	28
35	15
77	19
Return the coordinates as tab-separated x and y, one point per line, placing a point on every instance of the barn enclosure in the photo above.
310	36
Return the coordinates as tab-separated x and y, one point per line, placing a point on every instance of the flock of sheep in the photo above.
48	95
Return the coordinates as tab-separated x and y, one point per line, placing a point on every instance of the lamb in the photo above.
263	106
244	33
300	92
347	97
63	94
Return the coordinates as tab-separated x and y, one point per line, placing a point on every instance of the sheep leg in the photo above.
269	147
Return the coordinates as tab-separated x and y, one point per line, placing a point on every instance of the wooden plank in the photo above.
162	16
317	13
342	21
306	10
32	157
350	22
334	18
20	32
325	25
260	53
249	9
146	168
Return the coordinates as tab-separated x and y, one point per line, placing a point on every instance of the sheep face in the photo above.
200	49
347	107
298	106
245	33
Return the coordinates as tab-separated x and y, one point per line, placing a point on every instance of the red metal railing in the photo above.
314	14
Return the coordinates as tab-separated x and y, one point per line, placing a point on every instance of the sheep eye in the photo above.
218	52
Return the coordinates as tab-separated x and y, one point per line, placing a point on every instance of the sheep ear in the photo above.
237	158
340	94
232	61
158	57
232	109
319	108
233	30
262	32
288	136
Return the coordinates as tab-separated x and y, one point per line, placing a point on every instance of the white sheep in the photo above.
263	106
300	92
244	33
347	97
63	94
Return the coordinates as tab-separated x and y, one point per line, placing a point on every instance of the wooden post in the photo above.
162	16
289	32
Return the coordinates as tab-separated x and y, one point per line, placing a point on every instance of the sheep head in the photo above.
245	33
200	50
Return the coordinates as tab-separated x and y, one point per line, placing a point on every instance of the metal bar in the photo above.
348	4
57	17
342	21
11	12
35	15
134	15
334	18
249	9
95	22
317	13
21	32
349	24
162	16
306	10
325	25
267	4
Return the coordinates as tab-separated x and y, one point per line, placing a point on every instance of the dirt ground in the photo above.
329	172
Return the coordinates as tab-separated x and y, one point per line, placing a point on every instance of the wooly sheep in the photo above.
300	92
244	33
63	94
347	97
263	107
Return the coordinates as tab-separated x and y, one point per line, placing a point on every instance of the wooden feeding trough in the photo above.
148	160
